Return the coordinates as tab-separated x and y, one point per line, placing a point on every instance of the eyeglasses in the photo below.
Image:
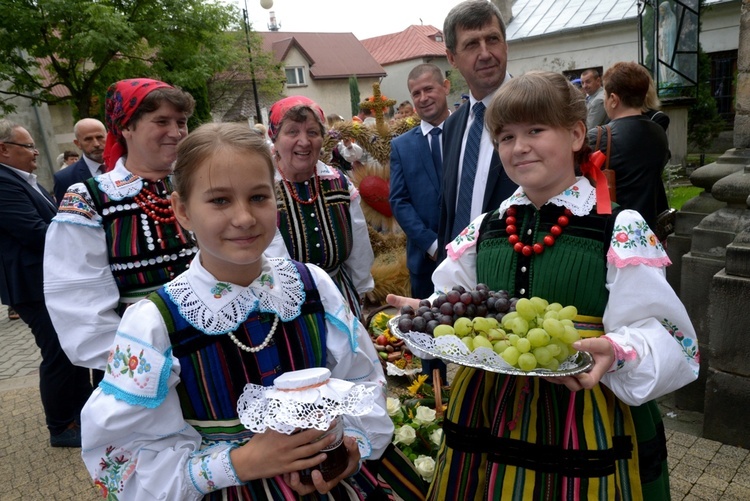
28	146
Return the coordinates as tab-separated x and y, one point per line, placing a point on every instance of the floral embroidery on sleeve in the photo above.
634	243
463	241
136	372
115	470
688	345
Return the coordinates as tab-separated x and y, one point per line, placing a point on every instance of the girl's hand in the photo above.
271	453
399	301
604	355
320	485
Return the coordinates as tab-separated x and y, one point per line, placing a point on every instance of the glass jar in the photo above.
337	456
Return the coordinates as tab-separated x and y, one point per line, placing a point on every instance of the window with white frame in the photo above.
295	76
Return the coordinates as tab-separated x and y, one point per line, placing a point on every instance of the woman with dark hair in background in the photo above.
638	149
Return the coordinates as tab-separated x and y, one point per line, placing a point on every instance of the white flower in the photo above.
436	436
393	406
424	415
425	466
405	435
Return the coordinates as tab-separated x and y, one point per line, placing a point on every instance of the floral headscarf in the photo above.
282	107
122	99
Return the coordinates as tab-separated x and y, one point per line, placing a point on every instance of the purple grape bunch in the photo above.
456	303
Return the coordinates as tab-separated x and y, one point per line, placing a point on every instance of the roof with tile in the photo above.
414	42
330	55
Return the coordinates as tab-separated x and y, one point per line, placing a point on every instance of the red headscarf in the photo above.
282	107
122	99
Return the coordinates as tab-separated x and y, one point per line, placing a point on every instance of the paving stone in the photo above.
736	491
694	461
705	493
687	473
724	472
683	439
678	487
676	451
732	451
712	481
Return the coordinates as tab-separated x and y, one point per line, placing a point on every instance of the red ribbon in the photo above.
592	169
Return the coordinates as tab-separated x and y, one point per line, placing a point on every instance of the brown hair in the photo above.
212	139
629	81
181	100
299	114
538	97
470	15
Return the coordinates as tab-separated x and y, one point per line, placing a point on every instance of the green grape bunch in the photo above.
528	333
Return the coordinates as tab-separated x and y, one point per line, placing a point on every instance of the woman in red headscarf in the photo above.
115	238
320	219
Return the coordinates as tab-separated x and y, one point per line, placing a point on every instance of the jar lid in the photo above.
303	399
301	379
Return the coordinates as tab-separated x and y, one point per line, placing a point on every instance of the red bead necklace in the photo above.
293	191
156	207
527	250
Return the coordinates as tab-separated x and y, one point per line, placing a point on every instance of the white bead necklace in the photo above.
262	345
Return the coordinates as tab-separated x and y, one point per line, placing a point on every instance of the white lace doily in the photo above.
392	370
313	406
451	349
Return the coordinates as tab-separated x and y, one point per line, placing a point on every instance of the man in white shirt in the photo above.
416	172
472	184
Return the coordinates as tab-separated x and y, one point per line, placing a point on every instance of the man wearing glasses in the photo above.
25	214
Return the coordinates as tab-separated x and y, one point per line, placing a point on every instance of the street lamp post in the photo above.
258	118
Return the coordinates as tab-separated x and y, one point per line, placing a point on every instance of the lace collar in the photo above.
217	307
120	183
580	198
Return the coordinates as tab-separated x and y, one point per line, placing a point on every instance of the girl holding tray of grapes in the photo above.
594	435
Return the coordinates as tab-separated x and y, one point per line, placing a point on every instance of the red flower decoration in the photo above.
133	363
622	237
101	488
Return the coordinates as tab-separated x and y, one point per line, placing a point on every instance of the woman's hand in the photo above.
604	355
399	301
271	453
292	479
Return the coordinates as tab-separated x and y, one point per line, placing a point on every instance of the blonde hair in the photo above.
211	139
538	97
651	102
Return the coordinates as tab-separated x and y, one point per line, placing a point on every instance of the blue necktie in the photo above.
469	170
437	159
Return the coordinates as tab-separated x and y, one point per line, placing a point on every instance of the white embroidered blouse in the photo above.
658	349
138	419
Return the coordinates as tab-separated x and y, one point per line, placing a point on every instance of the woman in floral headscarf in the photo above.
115	238
320	218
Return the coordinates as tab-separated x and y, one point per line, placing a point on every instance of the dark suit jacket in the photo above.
70	175
24	218
499	186
415	196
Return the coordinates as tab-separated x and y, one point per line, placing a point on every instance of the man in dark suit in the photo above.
475	45
416	171
90	136
25	214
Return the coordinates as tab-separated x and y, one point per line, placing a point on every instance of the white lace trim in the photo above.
120	183
218	307
580	198
260	408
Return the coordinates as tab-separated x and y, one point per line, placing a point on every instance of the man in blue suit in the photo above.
25	213
90	136
475	45
416	172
